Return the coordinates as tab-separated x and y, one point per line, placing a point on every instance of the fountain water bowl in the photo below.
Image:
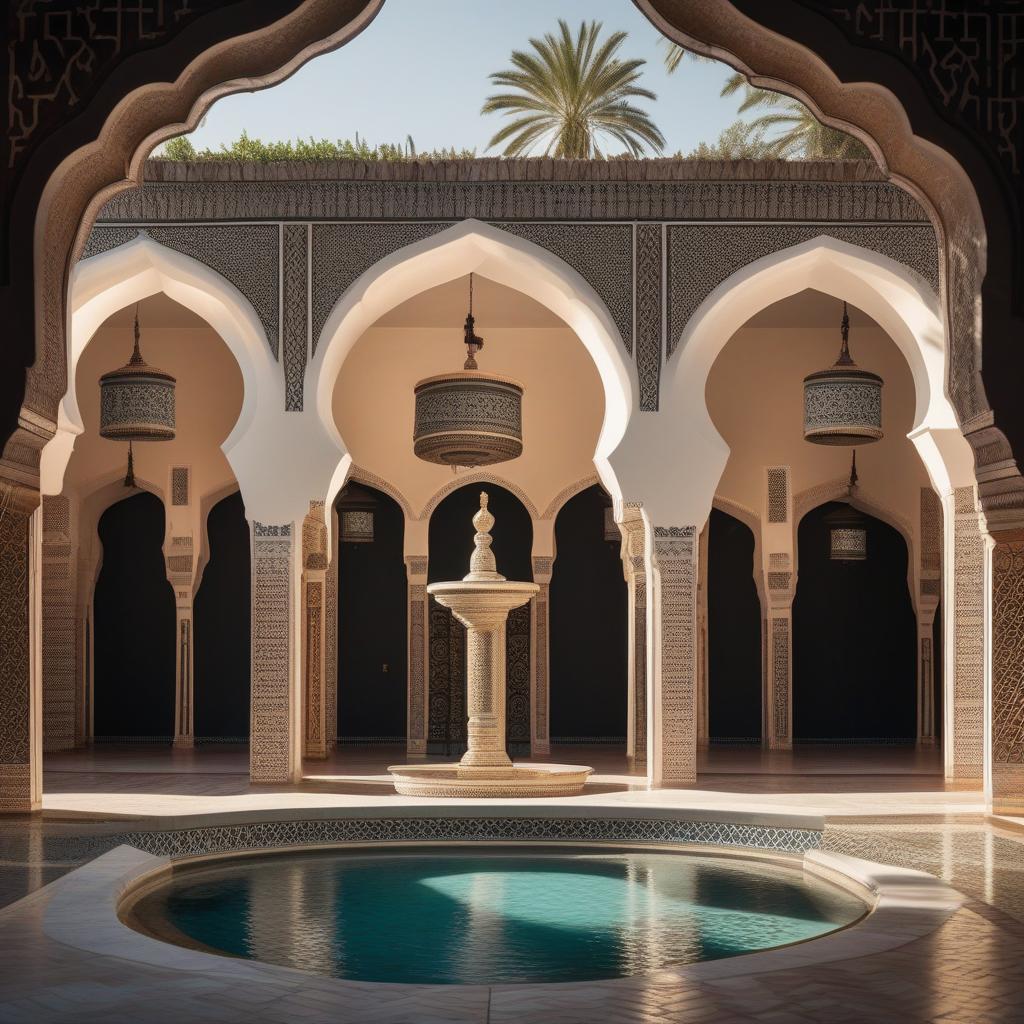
481	601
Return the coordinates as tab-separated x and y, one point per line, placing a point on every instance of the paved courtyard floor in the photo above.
885	804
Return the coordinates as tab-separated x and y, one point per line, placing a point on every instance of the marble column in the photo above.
1007	682
60	660
417	621
964	597
275	745
315	734
20	649
672	740
634	565
540	674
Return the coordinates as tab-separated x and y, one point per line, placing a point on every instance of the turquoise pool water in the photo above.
491	918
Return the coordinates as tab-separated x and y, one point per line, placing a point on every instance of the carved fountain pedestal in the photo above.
481	601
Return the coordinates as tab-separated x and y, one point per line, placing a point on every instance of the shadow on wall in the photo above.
854	639
589	630
372	641
734	633
133	626
221	614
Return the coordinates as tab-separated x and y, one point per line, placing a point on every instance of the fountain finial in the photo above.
482	566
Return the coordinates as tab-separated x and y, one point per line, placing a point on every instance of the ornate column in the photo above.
929	591
964	596
703	725
20	648
60	661
84	585
275	746
331	637
1007	686
180	560
672	742
634	566
315	734
418	673
779	544
540	676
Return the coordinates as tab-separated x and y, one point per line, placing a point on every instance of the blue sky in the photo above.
421	68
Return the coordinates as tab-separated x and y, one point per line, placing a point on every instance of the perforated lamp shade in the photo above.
137	401
468	418
848	535
843	404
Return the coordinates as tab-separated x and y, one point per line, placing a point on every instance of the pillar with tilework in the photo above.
540	668
316	738
1006	551
964	589
634	566
60	634
672	725
275	745
180	561
417	619
20	629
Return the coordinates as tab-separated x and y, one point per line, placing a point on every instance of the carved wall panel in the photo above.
60	663
541	675
1008	675
702	256
295	310
447	682
15	773
649	312
270	754
780	680
602	254
341	253
517	680
968	639
417	742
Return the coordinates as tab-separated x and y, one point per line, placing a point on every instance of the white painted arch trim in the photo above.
473	246
103	284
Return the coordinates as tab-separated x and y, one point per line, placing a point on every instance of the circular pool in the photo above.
492	917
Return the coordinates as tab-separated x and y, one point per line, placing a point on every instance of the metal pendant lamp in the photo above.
468	418
136	403
848	533
843	404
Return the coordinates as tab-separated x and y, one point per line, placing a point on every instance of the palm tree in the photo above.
796	132
569	92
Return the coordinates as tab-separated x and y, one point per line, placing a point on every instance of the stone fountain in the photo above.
481	601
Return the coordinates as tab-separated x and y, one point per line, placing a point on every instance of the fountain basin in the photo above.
515	780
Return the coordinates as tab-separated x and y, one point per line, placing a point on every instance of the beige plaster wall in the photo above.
755	398
563	405
208	397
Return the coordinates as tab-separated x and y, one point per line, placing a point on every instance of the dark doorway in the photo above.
589	628
734	633
222	612
372	610
133	626
451	544
854	639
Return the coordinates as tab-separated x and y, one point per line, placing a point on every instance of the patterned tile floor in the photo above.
888	806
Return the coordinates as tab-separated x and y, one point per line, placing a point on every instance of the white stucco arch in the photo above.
890	293
103	284
473	246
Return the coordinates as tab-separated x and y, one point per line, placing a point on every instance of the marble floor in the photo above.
886	804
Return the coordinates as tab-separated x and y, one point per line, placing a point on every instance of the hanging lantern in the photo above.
843	404
136	403
468	418
356	512
848	534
